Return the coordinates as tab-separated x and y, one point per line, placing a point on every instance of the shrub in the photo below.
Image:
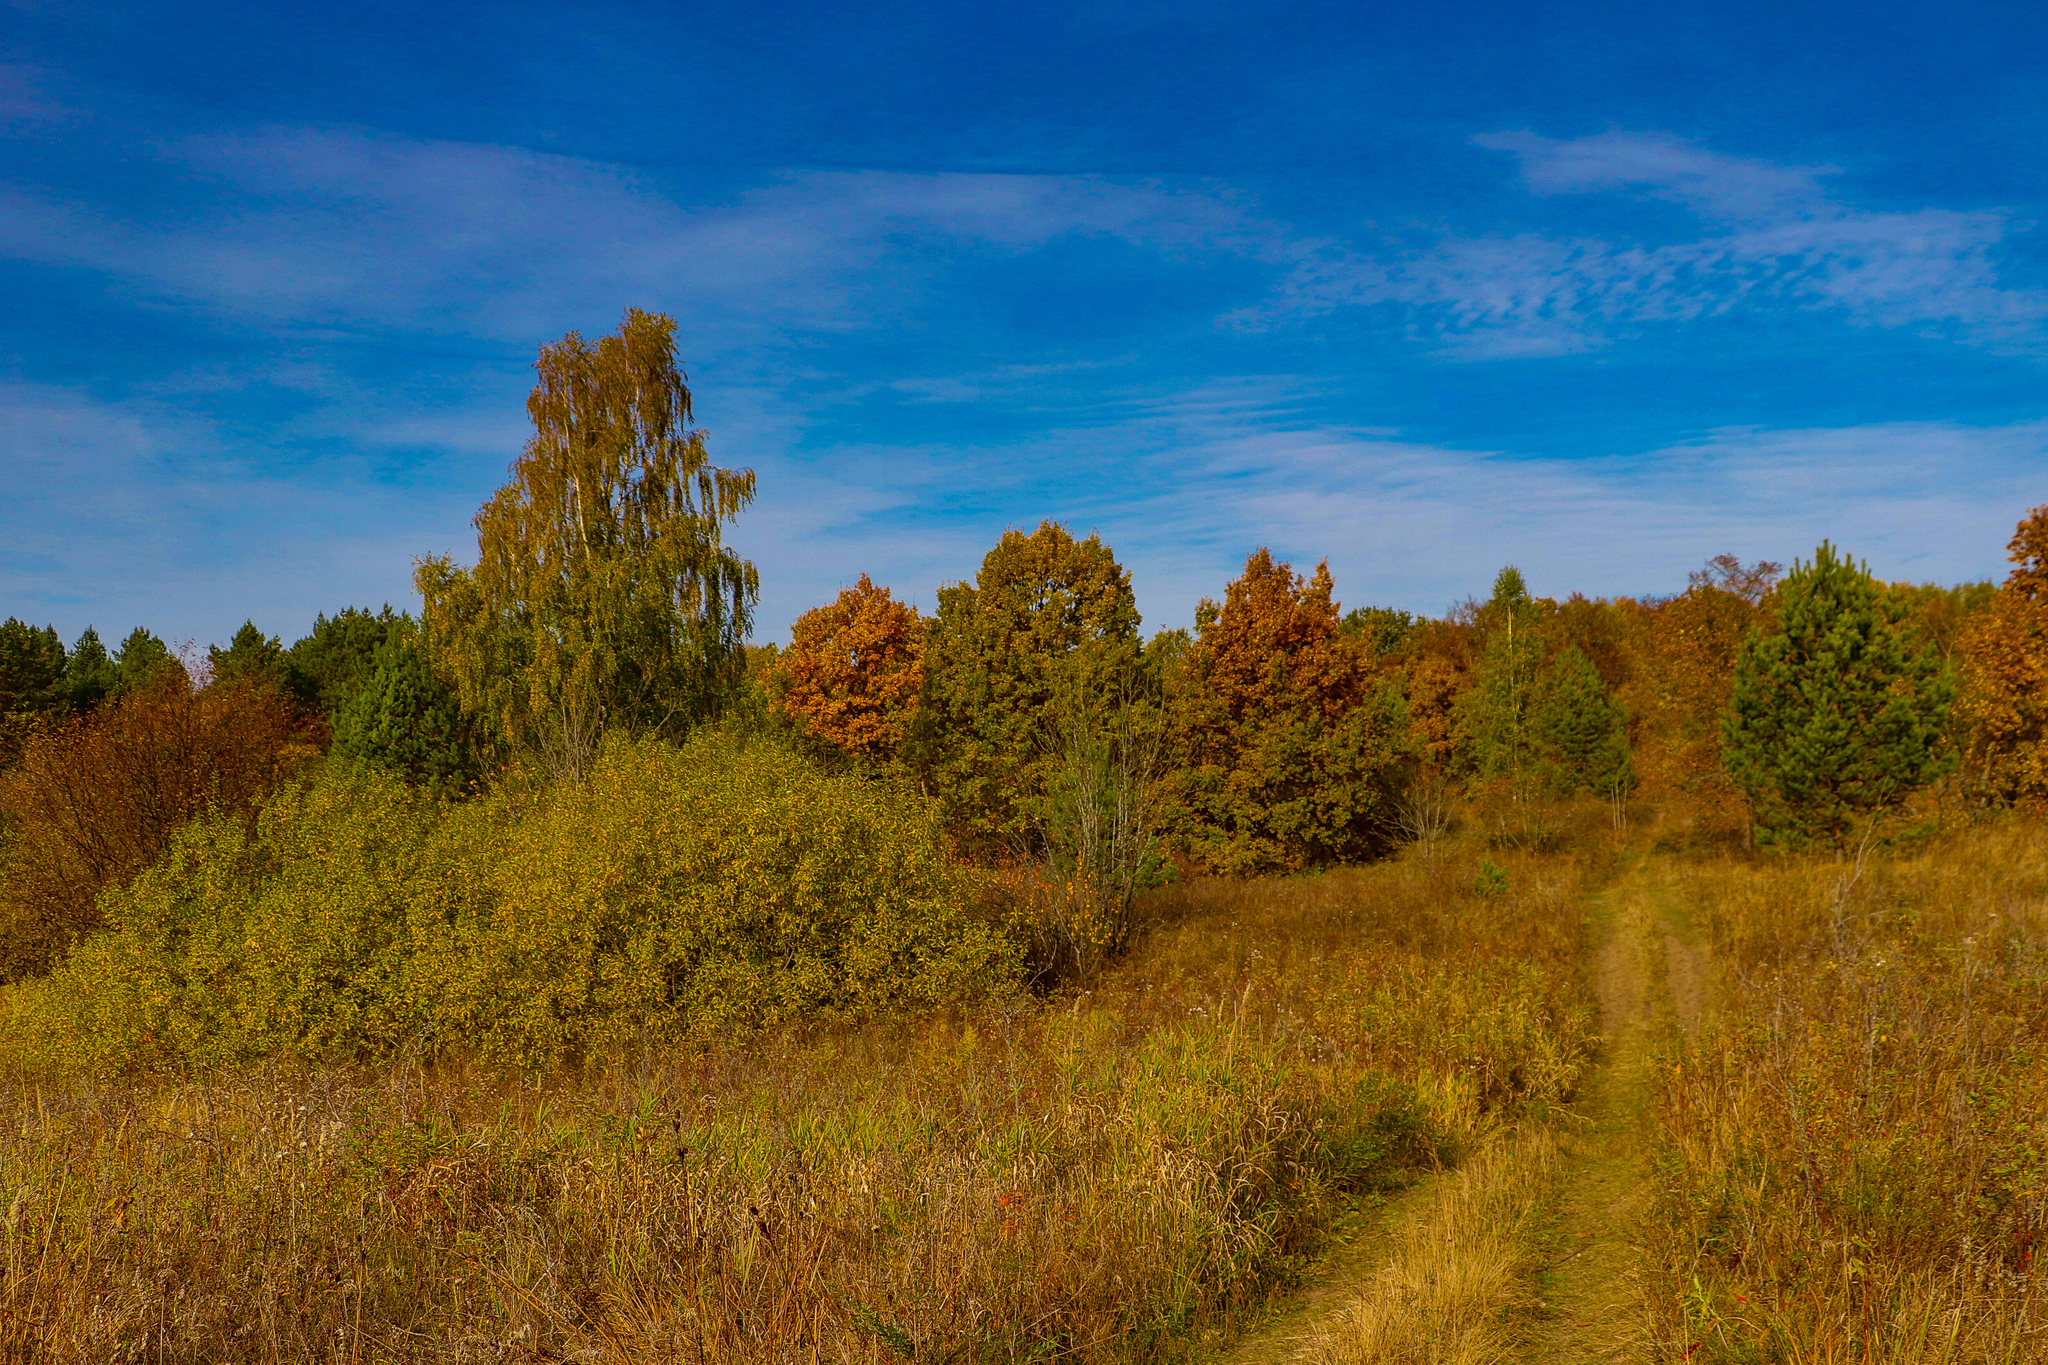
96	800
678	893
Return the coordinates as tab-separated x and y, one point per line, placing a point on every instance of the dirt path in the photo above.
1529	1252
1650	981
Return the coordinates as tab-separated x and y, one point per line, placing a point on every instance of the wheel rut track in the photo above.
1580	1293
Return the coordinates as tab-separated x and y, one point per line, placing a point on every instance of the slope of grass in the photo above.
1858	1156
1106	1175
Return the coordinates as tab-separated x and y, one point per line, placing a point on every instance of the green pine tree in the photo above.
90	677
141	658
31	669
1580	732
1837	714
323	670
251	655
406	719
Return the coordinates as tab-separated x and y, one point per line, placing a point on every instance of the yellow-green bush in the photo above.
679	892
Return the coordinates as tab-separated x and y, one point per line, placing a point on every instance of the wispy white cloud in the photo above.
1780	242
1716	186
323	228
338	228
121	515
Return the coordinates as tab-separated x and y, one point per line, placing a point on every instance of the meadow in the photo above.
1118	1171
1857	1144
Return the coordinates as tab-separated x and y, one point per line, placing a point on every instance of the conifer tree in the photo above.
1495	723
142	658
406	719
251	656
324	669
31	669
1580	733
90	677
1835	715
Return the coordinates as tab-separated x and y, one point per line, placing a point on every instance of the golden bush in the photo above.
679	892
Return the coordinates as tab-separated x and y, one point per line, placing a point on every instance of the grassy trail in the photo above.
1650	981
1529	1251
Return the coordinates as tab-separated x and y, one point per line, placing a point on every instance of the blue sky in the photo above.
1599	289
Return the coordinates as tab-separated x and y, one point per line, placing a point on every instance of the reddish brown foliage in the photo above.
1288	756
1680	677
853	670
2005	653
1275	645
94	801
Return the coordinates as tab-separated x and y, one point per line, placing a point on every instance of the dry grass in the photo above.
1102	1176
1457	1279
1859	1166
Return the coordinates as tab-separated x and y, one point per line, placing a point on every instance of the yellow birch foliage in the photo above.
603	596
853	671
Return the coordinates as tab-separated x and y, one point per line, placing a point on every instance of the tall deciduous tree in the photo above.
1289	745
1495	723
1047	617
603	596
853	671
1836	714
2005	656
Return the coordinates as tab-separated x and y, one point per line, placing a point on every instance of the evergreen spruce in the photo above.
1495	724
31	669
251	656
1580	732
90	677
323	670
141	657
405	719
1837	714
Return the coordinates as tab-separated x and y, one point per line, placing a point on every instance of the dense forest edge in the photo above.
556	975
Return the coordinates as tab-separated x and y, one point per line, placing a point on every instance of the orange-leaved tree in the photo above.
2005	693
1680	676
1288	738
853	670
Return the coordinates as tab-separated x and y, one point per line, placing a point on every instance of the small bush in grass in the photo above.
679	892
